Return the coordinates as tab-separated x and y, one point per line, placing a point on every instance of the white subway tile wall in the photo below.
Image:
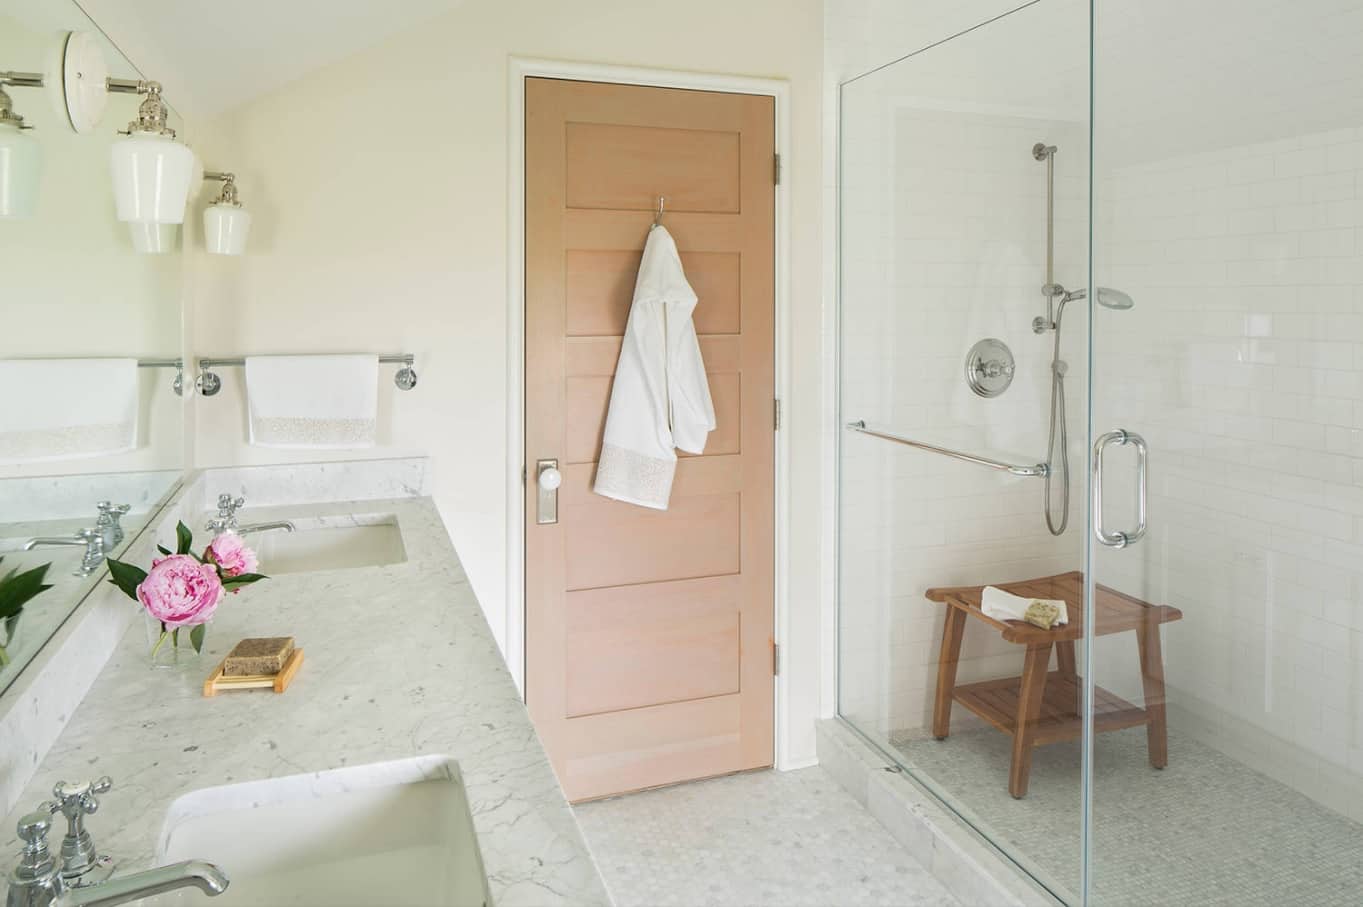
1242	364
943	226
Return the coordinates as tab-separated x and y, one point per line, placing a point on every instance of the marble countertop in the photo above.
399	663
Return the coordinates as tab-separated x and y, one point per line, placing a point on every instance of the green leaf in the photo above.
126	577
245	579
163	549
196	637
184	539
17	589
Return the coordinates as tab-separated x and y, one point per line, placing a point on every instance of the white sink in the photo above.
311	546
394	833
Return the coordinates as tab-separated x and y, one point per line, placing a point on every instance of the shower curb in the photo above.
954	853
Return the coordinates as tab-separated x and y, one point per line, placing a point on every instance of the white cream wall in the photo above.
379	188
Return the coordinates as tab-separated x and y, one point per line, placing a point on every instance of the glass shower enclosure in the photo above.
1101	343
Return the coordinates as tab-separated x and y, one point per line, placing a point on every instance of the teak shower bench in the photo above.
1040	707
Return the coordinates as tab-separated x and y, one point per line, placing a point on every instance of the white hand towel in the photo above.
1000	605
65	409
313	402
660	400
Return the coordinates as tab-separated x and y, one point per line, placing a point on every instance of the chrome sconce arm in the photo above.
17	80
153	117
228	195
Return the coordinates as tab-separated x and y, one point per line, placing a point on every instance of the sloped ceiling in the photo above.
212	56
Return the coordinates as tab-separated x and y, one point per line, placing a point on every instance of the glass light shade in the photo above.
152	176
20	169
225	229
153	239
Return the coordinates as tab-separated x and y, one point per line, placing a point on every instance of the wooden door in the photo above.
649	649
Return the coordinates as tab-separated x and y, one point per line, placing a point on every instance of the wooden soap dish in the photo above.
218	681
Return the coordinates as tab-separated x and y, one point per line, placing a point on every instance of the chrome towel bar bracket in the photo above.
208	382
1038	470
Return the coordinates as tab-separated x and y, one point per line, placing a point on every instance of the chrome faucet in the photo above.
92	540
266	527
226	520
81	878
108	523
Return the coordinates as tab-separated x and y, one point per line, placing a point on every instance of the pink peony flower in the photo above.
180	592
230	553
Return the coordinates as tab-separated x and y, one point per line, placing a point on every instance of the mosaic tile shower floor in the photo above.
1207	830
761	839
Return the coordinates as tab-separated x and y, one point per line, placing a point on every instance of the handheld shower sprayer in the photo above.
1051	321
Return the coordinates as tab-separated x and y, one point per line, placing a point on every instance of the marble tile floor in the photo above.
758	839
1207	831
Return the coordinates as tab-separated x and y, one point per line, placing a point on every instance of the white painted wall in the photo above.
379	187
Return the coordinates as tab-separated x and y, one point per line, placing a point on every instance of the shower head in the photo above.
1107	297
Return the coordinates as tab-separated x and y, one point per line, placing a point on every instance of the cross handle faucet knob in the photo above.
230	504
79	799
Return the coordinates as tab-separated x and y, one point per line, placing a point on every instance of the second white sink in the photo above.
396	833
311	547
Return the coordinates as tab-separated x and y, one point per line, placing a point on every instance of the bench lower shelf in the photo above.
996	701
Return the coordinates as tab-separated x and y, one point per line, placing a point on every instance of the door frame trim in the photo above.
520	69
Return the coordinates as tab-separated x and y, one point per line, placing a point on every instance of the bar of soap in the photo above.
252	657
1041	614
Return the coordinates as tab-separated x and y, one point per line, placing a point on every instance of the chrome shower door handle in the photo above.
1120	436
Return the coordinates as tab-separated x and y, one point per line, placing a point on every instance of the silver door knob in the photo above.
550	478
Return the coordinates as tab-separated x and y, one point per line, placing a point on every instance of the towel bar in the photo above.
1039	470
209	383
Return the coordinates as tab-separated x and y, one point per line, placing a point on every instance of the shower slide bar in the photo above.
1038	470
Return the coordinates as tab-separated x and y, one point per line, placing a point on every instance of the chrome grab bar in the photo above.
1119	539
1037	471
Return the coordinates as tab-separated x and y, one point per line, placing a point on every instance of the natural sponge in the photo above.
255	657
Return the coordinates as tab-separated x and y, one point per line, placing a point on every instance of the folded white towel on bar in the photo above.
66	409
312	402
1000	605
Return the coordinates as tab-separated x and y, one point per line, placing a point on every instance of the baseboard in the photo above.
964	862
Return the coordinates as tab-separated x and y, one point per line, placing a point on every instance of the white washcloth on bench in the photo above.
1000	605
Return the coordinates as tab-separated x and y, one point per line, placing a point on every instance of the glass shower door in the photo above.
1226	208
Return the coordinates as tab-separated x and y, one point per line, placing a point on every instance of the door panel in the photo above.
601	287
588	398
649	633
686	647
620	167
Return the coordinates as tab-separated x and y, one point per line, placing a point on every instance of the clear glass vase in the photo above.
9	632
174	651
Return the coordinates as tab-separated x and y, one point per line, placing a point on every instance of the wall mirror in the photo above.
90	329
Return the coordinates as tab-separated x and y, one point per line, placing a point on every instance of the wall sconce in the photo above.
153	239
20	160
226	222
152	172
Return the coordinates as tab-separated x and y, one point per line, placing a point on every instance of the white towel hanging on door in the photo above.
660	401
